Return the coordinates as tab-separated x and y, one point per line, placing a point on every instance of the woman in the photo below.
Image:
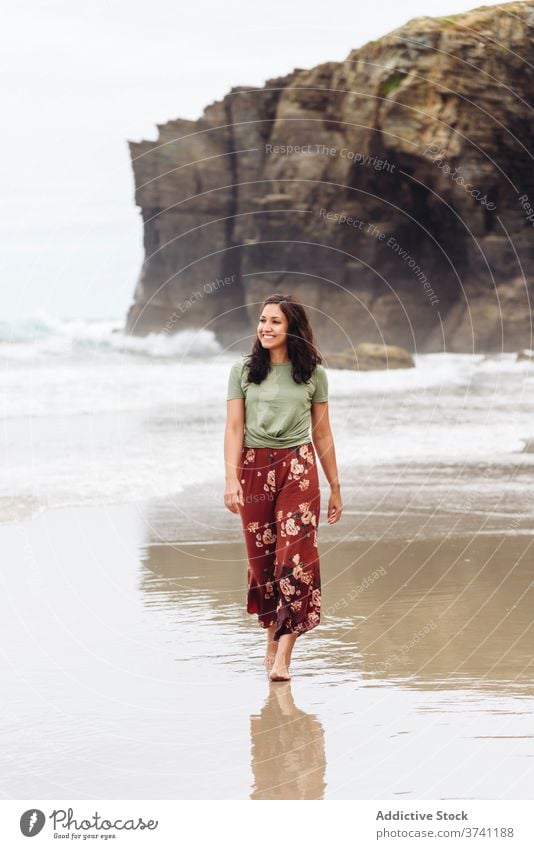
274	395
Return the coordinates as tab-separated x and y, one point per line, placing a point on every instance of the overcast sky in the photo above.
82	78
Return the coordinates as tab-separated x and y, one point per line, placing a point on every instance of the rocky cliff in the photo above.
392	192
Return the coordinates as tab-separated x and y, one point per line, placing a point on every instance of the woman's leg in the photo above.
259	528
297	512
280	667
272	647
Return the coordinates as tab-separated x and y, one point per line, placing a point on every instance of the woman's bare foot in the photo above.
280	668
280	673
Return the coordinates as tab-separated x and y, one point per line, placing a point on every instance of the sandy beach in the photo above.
132	670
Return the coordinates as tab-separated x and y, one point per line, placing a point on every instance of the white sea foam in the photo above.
48	337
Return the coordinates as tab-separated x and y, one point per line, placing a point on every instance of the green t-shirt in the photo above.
277	410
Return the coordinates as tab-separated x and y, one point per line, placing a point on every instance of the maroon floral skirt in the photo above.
280	516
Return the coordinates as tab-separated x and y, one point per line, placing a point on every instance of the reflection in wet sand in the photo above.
448	618
432	614
288	757
443	613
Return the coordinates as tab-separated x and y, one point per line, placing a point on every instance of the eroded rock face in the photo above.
393	193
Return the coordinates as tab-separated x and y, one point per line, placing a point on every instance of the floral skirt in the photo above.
280	516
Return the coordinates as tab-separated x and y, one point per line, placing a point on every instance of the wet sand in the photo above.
132	670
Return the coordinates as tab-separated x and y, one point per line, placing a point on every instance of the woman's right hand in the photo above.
233	495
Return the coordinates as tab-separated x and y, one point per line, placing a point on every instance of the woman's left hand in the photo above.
334	508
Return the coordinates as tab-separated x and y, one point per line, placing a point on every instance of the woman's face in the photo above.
273	327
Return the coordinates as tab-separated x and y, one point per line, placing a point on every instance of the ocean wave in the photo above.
49	338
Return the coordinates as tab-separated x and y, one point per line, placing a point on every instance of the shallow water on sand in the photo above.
132	670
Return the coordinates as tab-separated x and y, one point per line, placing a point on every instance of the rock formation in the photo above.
393	193
367	356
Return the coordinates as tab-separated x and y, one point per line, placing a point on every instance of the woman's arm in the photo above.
233	444
323	442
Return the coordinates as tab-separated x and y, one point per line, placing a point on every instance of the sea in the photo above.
92	416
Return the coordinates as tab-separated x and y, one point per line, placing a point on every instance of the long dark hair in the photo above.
301	347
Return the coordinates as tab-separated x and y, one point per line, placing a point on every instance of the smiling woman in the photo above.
277	424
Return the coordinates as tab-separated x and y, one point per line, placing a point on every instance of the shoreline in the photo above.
328	534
